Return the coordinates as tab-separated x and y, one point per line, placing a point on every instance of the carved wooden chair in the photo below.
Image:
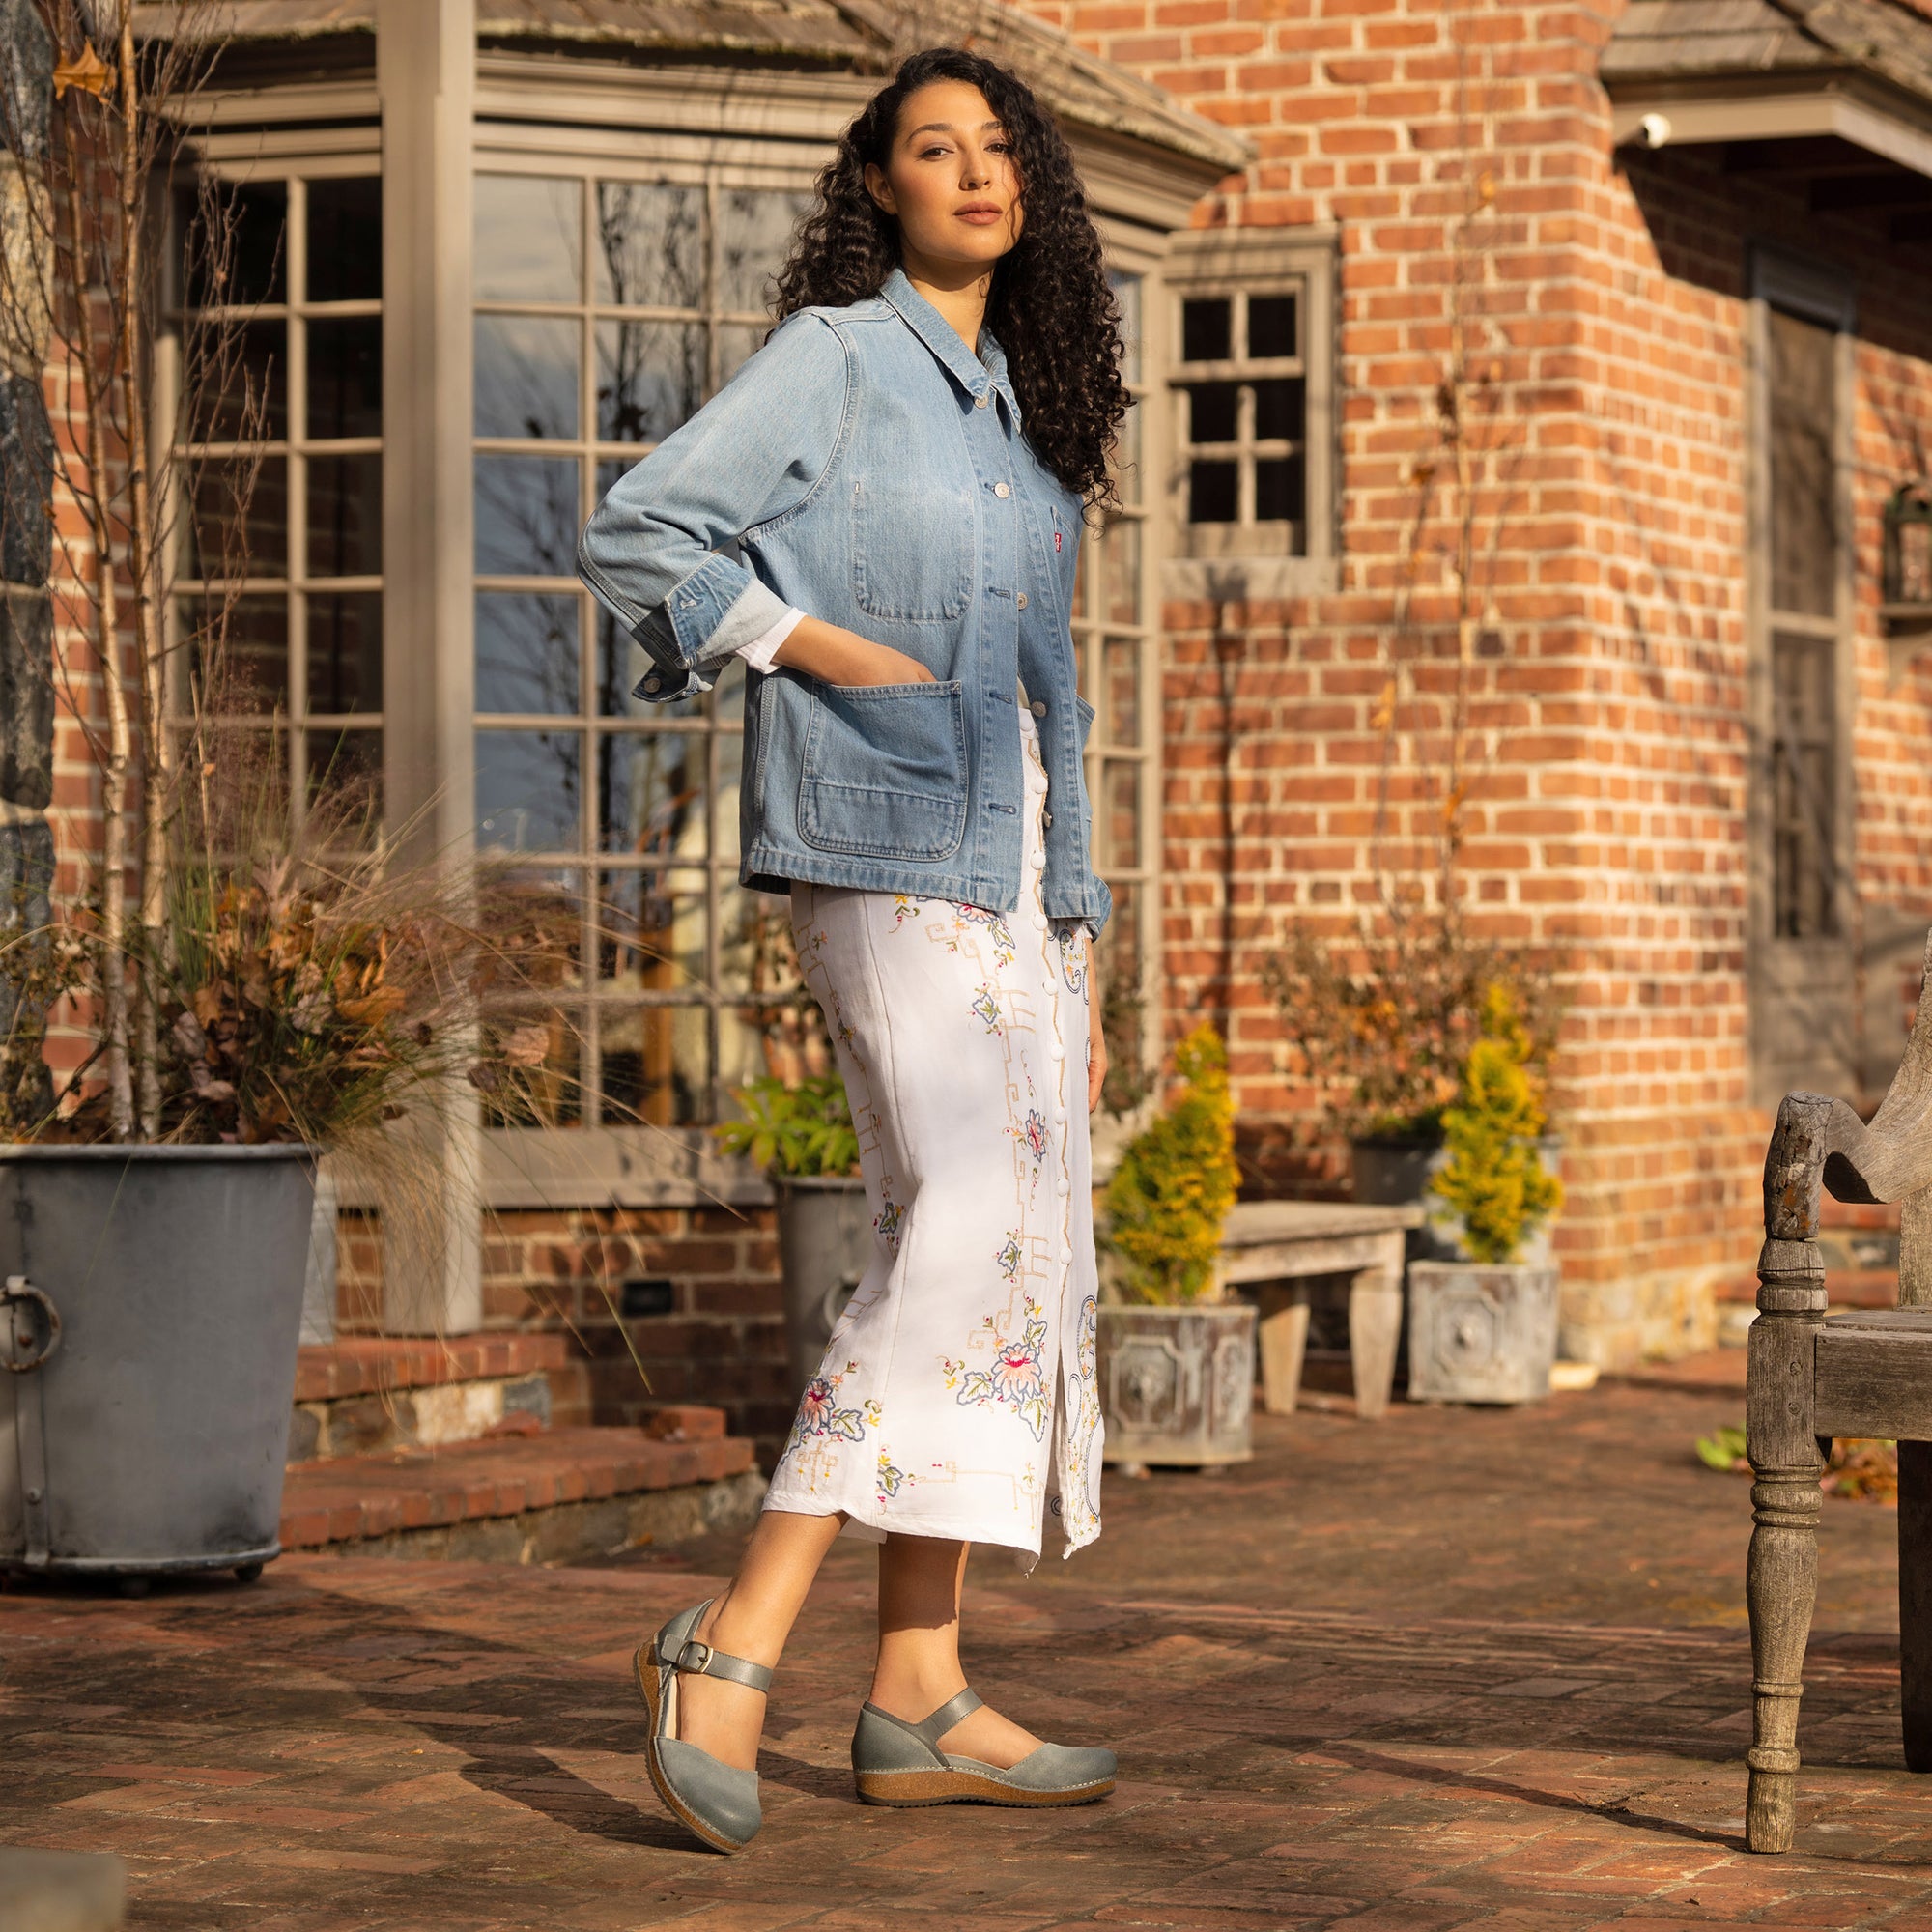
1811	1378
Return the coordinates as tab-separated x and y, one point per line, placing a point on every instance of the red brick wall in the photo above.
1610	824
722	1343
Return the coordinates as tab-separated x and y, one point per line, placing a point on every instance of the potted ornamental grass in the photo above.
1483	1327
1177	1354
799	1132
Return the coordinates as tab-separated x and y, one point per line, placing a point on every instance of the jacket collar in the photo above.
976	375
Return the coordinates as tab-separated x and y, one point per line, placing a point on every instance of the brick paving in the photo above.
1454	1668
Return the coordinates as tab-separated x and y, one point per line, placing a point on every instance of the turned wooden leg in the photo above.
1914	1602
1781	1575
1374	1328
1283	1343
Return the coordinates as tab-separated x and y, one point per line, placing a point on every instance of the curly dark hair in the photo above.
1050	308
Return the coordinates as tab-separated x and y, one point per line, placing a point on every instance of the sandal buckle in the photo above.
702	1662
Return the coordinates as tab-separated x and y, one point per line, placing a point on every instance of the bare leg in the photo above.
920	1577
752	1617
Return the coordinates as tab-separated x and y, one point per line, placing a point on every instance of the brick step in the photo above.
375	1393
549	1497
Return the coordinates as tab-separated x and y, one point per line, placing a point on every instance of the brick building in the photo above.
1673	251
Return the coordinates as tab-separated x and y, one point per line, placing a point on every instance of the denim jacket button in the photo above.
1046	818
653	683
1037	707
1022	600
1003	489
981	402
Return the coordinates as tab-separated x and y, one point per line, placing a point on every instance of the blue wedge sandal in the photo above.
715	1799
899	1763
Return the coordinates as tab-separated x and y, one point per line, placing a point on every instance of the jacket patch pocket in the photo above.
912	552
884	771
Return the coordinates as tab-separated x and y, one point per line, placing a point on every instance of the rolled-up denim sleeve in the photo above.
660	551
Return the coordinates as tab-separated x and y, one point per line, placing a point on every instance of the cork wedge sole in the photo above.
644	1666
907	1788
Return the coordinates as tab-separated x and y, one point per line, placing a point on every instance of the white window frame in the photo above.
1237	562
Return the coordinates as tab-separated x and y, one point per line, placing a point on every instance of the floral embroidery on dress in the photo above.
1033	1134
997	929
905	908
986	1004
1074	958
1008	1259
1015	1379
890	1477
819	1413
885	1222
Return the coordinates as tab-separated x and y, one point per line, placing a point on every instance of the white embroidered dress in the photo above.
958	1396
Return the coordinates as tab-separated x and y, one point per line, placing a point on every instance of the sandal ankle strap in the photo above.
942	1720
700	1660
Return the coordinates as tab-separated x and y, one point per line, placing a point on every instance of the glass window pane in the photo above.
526	375
656	1064
1804	465
239	523
535	921
1120	558
620	663
650	377
1127	293
344	377
1271	323
725	843
1121	707
345	768
1083	567
651	929
1214	492
1281	410
1212	412
651	795
525	1090
345	239
1127	457
525	652
345	651
651	244
1206	330
239	649
529	239
755	235
238	385
527	516
1279	490
1121	803
344	515
527	790
235	258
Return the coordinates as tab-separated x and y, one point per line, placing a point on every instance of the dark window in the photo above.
1272	330
345	239
1803	466
1214	492
1803	752
1214	412
1206	330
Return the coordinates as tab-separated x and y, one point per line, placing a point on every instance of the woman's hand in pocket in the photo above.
837	656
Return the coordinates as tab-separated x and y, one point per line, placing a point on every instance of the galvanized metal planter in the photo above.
1479	1333
153	1298
825	1244
1178	1385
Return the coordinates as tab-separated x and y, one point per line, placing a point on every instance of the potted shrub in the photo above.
799	1132
1176	1358
250	977
1385	1021
1483	1328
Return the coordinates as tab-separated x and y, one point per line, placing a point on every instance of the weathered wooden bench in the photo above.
1812	1378
1280	1244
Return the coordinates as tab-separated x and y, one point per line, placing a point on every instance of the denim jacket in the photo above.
866	468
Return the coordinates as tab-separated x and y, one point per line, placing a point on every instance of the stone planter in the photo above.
1178	1385
825	1246
152	1302
1478	1333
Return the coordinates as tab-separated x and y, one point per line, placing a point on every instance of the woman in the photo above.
881	514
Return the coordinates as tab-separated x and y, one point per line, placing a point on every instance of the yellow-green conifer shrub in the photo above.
1495	1179
1175	1182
